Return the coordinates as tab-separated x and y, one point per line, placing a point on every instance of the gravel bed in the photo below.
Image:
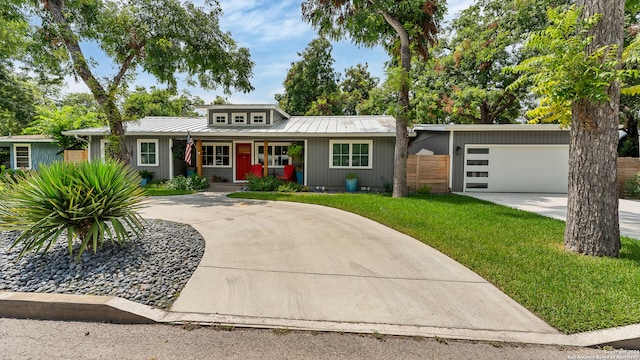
151	270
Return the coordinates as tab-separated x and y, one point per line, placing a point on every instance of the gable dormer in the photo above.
244	115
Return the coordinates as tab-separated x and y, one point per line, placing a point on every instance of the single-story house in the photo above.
232	138
499	157
28	151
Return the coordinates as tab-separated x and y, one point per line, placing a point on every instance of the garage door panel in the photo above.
517	168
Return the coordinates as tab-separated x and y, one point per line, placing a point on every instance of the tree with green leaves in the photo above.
463	81
163	38
75	112
159	102
579	69
403	27
309	78
356	87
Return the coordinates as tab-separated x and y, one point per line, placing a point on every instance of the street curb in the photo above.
68	307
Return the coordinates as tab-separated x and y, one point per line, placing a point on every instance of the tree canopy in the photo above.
309	78
164	38
159	102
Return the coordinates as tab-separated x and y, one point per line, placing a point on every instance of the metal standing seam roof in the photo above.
309	126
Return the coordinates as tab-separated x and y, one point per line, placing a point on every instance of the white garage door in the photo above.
516	168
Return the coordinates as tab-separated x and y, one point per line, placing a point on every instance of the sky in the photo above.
275	33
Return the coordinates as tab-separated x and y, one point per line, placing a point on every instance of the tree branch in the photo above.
125	67
80	65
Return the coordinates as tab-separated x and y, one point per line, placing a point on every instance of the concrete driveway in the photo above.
555	206
287	264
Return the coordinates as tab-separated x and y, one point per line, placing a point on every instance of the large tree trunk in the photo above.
402	117
592	208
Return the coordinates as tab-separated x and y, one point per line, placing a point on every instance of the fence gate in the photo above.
431	170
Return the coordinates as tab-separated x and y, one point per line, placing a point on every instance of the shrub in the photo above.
632	187
9	175
290	187
268	183
91	201
192	183
425	190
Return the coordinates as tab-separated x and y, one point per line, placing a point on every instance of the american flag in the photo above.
187	152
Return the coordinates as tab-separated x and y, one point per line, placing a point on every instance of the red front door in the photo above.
243	160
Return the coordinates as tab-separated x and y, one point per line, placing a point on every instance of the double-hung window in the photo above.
147	152
216	155
351	154
22	156
277	154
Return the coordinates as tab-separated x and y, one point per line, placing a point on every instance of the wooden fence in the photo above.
627	167
428	170
76	155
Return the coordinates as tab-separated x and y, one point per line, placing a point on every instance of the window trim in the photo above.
233	118
214	144
15	156
351	143
103	149
139	142
264	118
256	158
214	120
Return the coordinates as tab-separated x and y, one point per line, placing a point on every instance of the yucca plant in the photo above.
92	201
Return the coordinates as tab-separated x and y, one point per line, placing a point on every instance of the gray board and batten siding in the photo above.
462	138
320	174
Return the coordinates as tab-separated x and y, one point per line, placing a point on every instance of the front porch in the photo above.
231	160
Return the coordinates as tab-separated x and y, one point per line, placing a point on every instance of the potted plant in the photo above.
146	176
296	153
351	182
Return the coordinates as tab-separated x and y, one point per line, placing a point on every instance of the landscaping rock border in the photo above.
151	270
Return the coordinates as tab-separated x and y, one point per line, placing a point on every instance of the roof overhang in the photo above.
25	139
490	127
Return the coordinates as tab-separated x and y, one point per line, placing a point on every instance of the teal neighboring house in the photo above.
28	151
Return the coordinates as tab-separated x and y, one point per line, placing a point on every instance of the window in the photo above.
277	154
22	156
219	118
148	152
477	151
478	162
258	118
239	118
216	155
351	154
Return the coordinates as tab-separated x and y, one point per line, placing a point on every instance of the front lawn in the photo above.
156	191
520	252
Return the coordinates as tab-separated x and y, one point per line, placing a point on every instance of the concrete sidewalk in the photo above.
306	266
555	206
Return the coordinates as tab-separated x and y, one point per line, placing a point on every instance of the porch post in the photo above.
199	157
265	169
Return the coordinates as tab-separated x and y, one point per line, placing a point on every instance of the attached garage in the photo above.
516	168
499	157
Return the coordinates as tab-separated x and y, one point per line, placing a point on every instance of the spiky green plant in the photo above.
92	201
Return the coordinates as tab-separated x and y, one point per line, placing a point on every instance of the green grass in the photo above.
519	252
155	191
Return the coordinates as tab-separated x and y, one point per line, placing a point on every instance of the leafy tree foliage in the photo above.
159	102
75	112
356	88
463	81
309	78
162	37
18	101
402	26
